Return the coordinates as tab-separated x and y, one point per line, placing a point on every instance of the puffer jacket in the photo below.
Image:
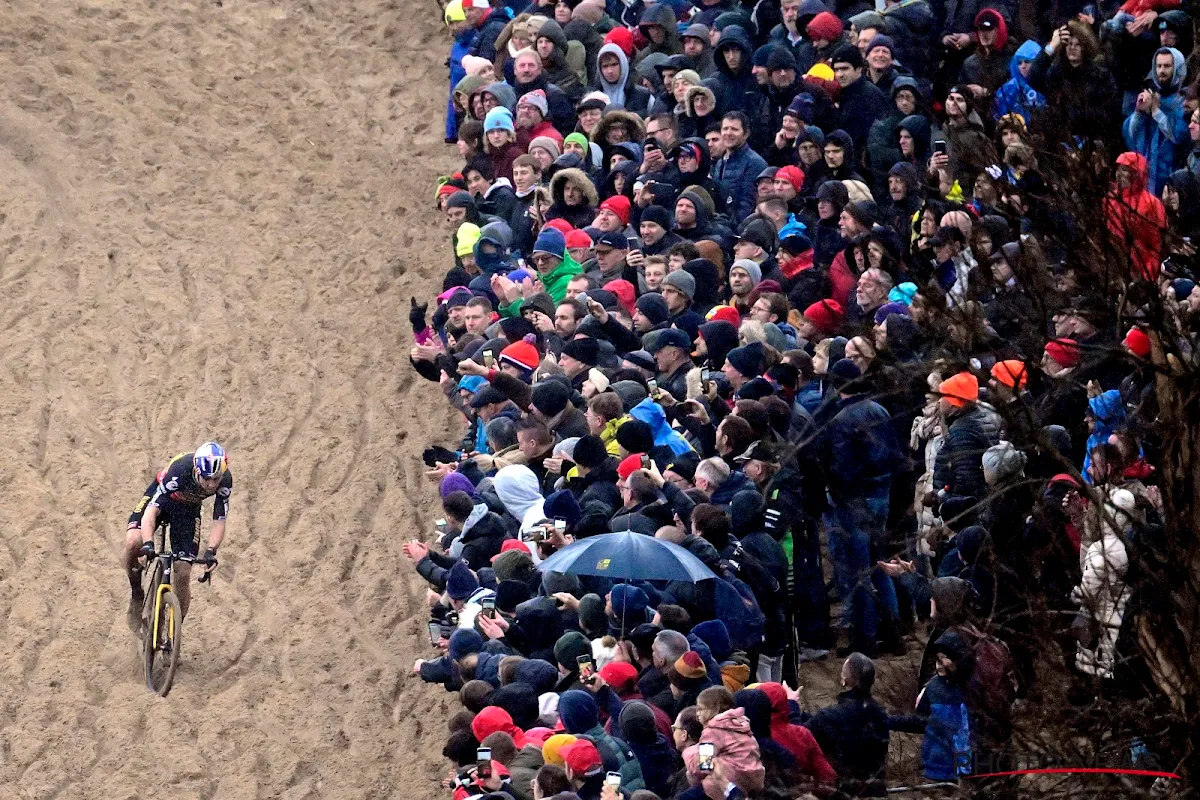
482	536
959	465
736	751
578	215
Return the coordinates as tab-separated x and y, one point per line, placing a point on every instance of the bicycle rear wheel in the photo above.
160	645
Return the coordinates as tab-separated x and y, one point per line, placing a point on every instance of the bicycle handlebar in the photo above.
190	559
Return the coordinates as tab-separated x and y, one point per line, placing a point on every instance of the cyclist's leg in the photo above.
184	538
133	542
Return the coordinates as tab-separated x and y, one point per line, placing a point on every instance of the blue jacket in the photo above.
1160	136
737	172
484	44
1016	96
946	748
861	446
461	47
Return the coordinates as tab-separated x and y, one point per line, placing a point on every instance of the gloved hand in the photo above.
416	315
210	557
146	550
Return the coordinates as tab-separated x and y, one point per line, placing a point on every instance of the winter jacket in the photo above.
1087	93
625	92
989	68
562	111
796	738
580	716
733	90
482	535
861	447
663	15
486	33
579	216
1103	594
736	751
460	48
859	105
912	26
1160	137
1136	218
1016	95
959	465
737	171
853	733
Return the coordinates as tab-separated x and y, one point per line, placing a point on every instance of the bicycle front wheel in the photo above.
161	644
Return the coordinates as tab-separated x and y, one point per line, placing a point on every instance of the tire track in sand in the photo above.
212	218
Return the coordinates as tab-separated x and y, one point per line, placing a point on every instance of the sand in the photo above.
211	219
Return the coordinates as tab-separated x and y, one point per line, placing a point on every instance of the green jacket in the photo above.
555	283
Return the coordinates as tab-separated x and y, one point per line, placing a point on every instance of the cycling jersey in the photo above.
176	494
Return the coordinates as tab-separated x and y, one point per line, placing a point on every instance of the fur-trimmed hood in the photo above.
580	179
619	116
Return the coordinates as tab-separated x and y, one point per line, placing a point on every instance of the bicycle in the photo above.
162	619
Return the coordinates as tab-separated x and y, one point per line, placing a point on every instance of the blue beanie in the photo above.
577	711
714	634
537	673
562	505
460	583
499	119
629	602
464	642
552	241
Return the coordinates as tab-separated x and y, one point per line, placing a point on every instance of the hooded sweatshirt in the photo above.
733	88
1017	96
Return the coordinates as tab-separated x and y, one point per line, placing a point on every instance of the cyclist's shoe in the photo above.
137	600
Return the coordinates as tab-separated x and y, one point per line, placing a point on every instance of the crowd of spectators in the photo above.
793	286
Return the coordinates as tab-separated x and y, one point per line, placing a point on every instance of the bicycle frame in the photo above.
165	562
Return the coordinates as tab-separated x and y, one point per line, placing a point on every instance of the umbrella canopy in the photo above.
628	556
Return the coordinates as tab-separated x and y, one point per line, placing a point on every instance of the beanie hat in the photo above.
847	54
559	224
819	72
550	240
590	452
460	582
681	280
465	238
1065	352
582	758
592	620
454	12
690	665
629	465
624	291
825	26
635	436
827	315
474	65
1138	342
550	397
960	389
622	37
903	293
569	647
619	205
750	359
629	602
715	634
562	505
547	144
619	675
725	314
630	392
464	642
780	58
1003	459
552	749
658	215
576	239
499	119
792	174
842	373
586	351
511	593
881	40
1010	373
653	307
522	354
537	99
750	268
886	309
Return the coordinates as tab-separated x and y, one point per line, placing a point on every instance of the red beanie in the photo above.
825	26
629	465
1138	342
577	238
792	175
826	315
522	354
619	205
560	225
622	38
623	289
1065	352
690	665
725	314
619	675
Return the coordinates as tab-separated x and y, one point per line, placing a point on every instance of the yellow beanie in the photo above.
454	12
550	750
466	237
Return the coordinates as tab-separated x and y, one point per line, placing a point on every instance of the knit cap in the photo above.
842	373
522	354
635	436
552	749
690	665
547	144
653	307
460	582
619	205
465	238
1137	342
1010	373
1065	352
960	389
464	642
750	359
551	240
750	268
499	119
537	99
683	281
658	215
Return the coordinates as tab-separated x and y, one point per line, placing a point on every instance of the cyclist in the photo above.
174	499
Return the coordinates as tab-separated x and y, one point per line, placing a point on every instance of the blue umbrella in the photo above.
628	556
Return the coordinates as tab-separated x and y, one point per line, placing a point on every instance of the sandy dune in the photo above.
211	219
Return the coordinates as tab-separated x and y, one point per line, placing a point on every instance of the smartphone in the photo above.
587	668
560	525
483	762
706	752
612	779
652	384
645	462
488	358
583	298
939	146
488	607
435	633
440	525
634	244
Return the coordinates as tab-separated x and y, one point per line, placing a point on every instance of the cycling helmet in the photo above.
209	460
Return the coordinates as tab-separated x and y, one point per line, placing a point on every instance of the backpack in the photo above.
992	687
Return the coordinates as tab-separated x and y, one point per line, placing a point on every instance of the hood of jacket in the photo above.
477	513
622	117
653	415
734	37
702	218
577	178
553	31
518	489
539	674
1141	171
615	91
842	138
910	83
504	94
918	128
704	271
1028	51
662	15
1177	75
720	337
1001	27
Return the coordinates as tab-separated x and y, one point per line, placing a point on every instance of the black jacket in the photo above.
853	734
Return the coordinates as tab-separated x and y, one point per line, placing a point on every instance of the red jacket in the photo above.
1136	218
796	738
